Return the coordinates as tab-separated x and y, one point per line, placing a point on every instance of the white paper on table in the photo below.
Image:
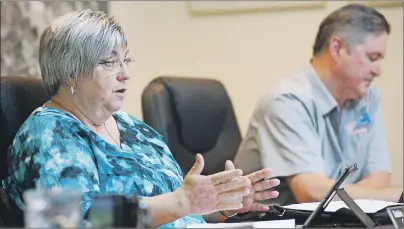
289	223
368	206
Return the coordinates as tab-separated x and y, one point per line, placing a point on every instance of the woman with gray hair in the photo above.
80	139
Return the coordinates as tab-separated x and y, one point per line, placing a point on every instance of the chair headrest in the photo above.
198	104
195	115
20	96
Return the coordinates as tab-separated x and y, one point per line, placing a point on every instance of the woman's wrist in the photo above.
181	203
164	208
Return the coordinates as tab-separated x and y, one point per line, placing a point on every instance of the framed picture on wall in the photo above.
215	8
384	4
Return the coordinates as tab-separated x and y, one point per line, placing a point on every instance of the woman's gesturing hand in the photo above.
200	194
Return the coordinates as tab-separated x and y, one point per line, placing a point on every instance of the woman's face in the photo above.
108	88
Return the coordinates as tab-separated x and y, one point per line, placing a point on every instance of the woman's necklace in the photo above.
105	127
111	135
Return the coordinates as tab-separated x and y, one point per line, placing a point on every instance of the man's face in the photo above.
358	67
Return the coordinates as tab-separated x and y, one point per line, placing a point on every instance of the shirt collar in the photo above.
322	96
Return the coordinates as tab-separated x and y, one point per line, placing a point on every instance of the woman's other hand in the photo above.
200	194
260	189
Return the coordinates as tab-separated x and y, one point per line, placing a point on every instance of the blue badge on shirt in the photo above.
363	121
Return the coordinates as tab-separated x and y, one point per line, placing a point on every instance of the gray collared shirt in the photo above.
298	128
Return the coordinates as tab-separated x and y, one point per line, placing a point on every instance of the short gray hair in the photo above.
353	23
73	44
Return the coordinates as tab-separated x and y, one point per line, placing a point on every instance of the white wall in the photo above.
248	53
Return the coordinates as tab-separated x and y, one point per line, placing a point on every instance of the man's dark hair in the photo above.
353	23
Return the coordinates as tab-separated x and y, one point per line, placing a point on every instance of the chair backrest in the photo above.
10	214
194	115
20	96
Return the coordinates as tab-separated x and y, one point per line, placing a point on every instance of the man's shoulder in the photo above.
291	90
296	83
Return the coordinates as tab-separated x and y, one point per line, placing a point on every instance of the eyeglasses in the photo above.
111	65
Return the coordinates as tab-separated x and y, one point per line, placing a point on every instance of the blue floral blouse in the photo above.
53	149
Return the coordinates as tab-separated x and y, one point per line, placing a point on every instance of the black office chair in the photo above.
194	116
20	96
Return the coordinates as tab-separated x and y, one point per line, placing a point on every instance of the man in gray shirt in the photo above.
311	125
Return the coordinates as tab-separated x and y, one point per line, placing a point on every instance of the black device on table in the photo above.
380	217
336	190
344	217
111	211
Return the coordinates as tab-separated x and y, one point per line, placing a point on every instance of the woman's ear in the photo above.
72	81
